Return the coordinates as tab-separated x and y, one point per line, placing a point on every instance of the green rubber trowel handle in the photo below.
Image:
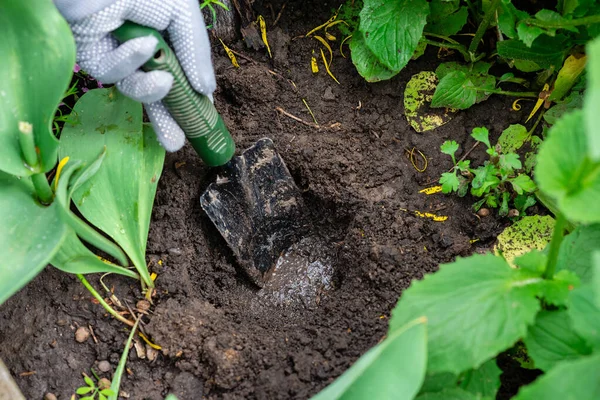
193	112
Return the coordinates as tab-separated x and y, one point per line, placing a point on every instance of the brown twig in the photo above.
287	114
279	15
466	154
237	53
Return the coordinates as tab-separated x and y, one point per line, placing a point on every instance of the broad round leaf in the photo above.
577	249
118	199
530	232
552	340
394	369
392	29
475	307
365	61
31	234
565	173
38	54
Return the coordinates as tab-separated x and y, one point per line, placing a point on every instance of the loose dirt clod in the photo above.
143	305
82	334
104	383
104	366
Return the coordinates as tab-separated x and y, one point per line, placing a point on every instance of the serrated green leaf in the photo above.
365	61
585	314
576	251
508	16
84	390
592	99
484	381
565	173
30	237
557	290
552	340
481	134
38	54
392	29
475	307
577	379
523	184
449	394
485	176
512	138
449	147
449	182
530	232
461	90
523	202
446	17
118	198
395	368
542	53
510	161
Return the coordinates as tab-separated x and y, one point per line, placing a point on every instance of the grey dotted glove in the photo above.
100	55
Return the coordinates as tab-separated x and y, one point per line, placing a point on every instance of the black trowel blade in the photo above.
257	207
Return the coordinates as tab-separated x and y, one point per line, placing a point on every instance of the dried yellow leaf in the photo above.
342	45
437	218
327	67
431	190
328	23
263	33
329	36
314	67
324	42
538	104
230	54
59	169
154	346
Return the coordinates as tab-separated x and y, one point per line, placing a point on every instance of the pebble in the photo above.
483	212
143	305
50	396
103	383
328	95
175	251
82	334
104	366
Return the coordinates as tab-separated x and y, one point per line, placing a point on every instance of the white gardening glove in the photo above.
101	55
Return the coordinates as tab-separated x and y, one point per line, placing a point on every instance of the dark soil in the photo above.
218	338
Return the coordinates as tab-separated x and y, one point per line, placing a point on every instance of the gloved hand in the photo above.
100	55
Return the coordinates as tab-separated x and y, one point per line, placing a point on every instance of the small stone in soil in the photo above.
50	396
104	383
104	366
143	305
82	334
328	95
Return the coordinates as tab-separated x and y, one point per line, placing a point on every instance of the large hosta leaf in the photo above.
365	61
118	198
475	307
38	54
392	29
31	234
394	369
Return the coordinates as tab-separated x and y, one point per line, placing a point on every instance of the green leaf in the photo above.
462	90
508	16
395	368
512	138
544	54
475	307
576	251
392	29
481	134
510	161
585	314
449	182
557	290
533	260
118	198
567	76
116	381
31	234
552	340
89	381
438	382
573	101
84	389
449	394
503	212
523	184
592	99
484	381
108	392
531	232
446	18
528	33
485	176
449	147
365	61
565	173
577	379
38	54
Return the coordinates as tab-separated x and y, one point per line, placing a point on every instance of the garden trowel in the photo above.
254	203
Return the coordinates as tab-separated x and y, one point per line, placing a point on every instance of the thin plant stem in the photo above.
104	304
42	188
459	47
592	19
557	238
446	38
508	93
487	19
